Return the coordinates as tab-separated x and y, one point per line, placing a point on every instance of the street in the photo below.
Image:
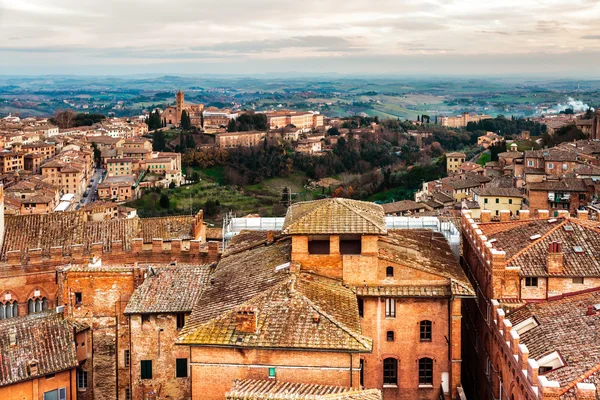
92	196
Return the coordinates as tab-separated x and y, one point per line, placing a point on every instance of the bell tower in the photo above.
180	104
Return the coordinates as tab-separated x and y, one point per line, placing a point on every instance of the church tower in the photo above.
179	104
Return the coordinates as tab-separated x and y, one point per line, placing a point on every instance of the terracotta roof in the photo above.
252	389
214	233
168	228
46	338
467	182
563	185
456	154
334	216
441	197
170	289
400	206
565	328
285	304
428	251
511	154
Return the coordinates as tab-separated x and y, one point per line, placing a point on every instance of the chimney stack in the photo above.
270	237
213	252
245	320
555	262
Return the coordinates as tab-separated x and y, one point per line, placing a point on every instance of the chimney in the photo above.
585	391
582	214
316	318
486	216
270	237
504	216
213	252
543	214
555	262
590	311
524	215
245	320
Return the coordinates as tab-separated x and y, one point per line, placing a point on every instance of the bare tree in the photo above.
64	118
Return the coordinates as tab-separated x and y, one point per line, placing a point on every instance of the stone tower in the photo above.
180	104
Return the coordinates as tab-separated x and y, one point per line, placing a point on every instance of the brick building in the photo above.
162	303
569	194
39	356
514	264
335	298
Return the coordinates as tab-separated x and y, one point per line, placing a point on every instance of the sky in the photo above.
405	37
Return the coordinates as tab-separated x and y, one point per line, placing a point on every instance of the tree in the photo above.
153	121
418	118
190	143
186	123
232	126
64	119
164	201
97	154
202	119
158	141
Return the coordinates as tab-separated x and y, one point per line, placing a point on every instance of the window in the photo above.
57	394
9	309
550	166
361	308
531	281
318	245
497	200
78	297
145	318
389	272
361	380
82	379
180	320
37	305
146	369
425	371
564	167
350	244
127	394
271	372
390	371
509	201
390	336
485	200
126	357
181	368
425	331
390	308
578	280
530	163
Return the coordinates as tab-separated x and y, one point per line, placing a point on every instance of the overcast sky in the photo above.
529	37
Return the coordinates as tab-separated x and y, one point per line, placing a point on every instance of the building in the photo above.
335	298
461	187
404	207
498	195
121	166
454	161
172	115
569	194
489	139
301	120
537	283
162	303
118	188
11	161
239	139
461	121
215	119
39	355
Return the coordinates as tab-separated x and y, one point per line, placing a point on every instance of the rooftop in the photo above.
334	216
44	338
252	389
564	327
172	289
401	206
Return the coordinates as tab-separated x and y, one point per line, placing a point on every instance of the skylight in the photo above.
568	228
535	237
552	220
578	249
526	325
550	362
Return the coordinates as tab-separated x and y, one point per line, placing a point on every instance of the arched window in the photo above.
9	309
425	331
425	371
390	371
389	272
37	304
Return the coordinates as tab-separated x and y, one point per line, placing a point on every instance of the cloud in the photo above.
135	32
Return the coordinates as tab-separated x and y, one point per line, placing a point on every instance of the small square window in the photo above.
146	369
578	280
78	298
181	368
497	200
180	320
531	281
390	336
271	372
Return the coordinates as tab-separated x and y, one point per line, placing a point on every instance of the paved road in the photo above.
92	190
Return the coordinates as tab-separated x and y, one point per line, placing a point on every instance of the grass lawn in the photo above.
484	158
